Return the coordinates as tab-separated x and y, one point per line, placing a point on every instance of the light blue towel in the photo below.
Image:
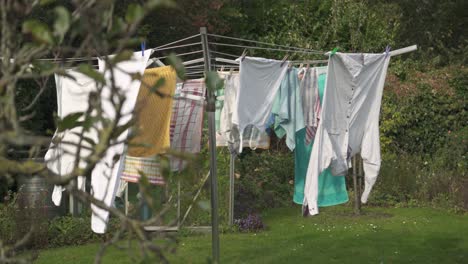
287	109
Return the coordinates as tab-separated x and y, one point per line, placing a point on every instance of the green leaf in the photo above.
134	13
122	56
40	32
204	205
176	63
160	3
69	122
89	71
62	22
213	82
46	2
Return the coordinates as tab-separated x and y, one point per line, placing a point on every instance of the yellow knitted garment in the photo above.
153	113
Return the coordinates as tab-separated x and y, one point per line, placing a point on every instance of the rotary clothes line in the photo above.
200	70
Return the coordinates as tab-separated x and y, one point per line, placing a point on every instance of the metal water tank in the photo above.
35	197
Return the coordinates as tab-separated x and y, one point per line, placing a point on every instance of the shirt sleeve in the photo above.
370	154
321	156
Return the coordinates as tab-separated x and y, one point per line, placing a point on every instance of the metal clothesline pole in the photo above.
210	109
232	163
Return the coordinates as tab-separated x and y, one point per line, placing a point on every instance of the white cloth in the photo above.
349	120
72	97
105	176
252	136
259	81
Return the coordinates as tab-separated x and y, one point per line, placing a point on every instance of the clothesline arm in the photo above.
227	61
396	52
177	41
178	46
264	48
225	54
265	43
403	50
183	54
190	62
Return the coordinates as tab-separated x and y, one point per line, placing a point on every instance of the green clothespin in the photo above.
334	51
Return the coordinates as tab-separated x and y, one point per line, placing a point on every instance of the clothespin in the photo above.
300	65
230	72
143	46
387	50
308	65
284	59
222	68
333	51
244	53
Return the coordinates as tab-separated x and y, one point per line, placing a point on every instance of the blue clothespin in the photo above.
143	46
387	50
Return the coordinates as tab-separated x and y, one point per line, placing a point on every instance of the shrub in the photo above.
252	223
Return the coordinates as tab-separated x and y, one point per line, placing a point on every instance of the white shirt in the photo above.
252	136
349	120
72	97
105	176
259	81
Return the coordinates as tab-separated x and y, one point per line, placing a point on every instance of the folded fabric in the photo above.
72	97
153	113
105	177
287	108
228	133
147	166
259	82
187	120
349	121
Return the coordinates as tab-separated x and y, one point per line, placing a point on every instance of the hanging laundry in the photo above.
228	132
72	97
310	100
331	189
148	166
220	140
349	121
105	177
259	82
153	112
287	108
187	120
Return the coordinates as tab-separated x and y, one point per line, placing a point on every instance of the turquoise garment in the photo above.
332	189
287	108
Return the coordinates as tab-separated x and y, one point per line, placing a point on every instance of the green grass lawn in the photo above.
380	235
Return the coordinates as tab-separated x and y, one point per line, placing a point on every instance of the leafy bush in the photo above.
60	231
265	181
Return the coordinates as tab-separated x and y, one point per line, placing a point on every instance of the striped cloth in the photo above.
187	120
147	166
